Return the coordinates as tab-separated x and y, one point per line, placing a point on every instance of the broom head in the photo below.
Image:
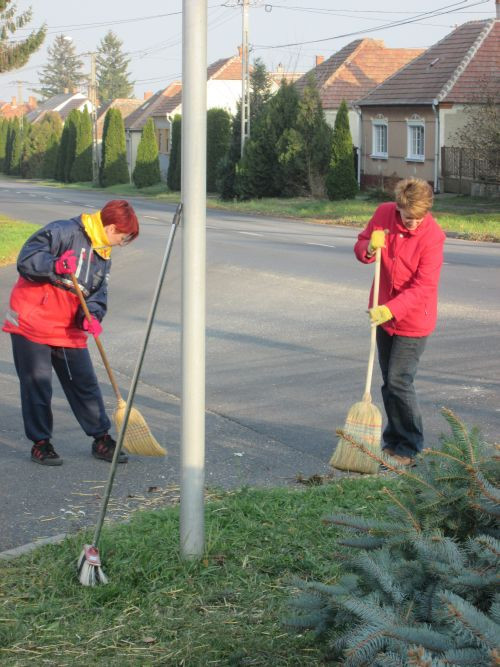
138	438
364	425
89	567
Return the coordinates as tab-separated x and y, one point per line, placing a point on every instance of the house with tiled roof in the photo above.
223	92
13	109
410	119
61	104
351	73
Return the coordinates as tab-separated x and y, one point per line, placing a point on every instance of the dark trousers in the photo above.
398	358
73	367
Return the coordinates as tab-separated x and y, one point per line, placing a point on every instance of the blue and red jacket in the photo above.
43	306
410	269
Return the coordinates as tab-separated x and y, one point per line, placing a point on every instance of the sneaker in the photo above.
44	453
104	448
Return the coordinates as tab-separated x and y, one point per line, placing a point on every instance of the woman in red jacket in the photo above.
48	328
411	259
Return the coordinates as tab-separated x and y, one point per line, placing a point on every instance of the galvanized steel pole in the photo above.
194	142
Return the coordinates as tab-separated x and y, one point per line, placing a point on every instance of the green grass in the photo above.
13	233
466	217
225	609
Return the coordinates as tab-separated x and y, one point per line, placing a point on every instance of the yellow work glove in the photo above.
379	315
377	240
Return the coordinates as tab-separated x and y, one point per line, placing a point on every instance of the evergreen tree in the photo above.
73	125
316	137
341	180
37	141
147	163
15	148
4	127
16	53
228	179
174	163
63	71
82	166
54	127
218	142
111	69
62	151
114	167
423	587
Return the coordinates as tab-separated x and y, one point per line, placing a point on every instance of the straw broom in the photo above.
364	420
138	439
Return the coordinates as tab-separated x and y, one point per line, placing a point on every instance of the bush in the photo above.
423	587
218	142
174	164
147	164
114	168
82	166
341	182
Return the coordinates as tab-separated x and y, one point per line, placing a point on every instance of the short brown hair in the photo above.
414	196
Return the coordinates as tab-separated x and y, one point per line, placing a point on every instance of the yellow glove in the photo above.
379	315
377	240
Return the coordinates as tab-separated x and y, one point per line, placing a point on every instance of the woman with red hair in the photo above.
48	327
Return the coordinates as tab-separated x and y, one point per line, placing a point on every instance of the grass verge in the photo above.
13	233
470	218
225	609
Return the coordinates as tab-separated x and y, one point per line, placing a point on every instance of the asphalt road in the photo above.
287	345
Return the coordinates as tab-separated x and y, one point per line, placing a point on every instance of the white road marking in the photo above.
323	245
150	217
250	233
65	201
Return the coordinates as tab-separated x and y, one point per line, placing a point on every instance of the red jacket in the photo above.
410	267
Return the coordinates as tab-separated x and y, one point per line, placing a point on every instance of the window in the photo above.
416	141
379	138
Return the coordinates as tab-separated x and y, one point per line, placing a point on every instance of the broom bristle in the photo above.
90	574
138	438
364	424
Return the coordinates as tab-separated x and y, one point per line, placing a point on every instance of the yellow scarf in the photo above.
95	230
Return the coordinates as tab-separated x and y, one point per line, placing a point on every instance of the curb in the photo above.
31	546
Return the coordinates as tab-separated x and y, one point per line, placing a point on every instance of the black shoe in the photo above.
104	448
44	453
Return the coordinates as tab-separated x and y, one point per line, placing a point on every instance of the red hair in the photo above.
120	213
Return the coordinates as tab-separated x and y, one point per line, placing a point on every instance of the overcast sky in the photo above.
282	32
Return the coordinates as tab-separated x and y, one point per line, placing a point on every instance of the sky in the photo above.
286	32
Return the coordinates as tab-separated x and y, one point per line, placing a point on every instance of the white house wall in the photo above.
331	114
223	94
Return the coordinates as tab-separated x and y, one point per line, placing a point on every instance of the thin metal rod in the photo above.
194	142
135	377
373	330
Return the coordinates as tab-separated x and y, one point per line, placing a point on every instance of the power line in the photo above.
415	19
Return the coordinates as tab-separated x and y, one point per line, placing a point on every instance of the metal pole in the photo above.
245	79
194	142
93	99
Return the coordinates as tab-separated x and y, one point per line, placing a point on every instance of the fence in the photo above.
462	173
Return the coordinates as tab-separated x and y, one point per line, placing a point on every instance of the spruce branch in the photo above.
397	502
469	621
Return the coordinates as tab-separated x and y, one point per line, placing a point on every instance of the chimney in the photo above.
32	101
319	60
14	102
148	94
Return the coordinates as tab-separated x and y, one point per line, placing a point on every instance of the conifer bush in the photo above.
73	127
218	142
341	182
174	163
81	170
422	586
4	127
147	164
113	168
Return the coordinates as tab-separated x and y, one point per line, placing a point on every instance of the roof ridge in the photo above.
473	49
224	66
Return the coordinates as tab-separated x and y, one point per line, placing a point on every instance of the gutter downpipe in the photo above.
360	141
437	130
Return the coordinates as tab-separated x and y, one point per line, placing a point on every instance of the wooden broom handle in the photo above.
96	338
373	337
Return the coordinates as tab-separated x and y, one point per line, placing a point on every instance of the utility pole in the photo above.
194	200
20	100
93	115
245	78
